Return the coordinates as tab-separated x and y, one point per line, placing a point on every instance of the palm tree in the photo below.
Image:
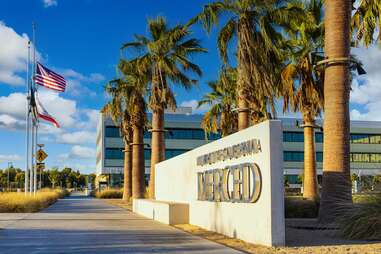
255	24
222	100
303	86
336	189
165	56
366	21
134	87
119	113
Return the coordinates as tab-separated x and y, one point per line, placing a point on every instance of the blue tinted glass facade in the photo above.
114	154
294	156
293	179
294	136
177	133
112	132
169	153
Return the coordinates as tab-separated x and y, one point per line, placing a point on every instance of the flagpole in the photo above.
26	183
32	157
34	147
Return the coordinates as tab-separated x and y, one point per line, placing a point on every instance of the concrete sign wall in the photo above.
233	186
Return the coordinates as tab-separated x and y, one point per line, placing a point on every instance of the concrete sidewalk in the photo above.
84	225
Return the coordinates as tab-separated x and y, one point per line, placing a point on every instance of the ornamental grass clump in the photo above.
363	220
12	202
110	193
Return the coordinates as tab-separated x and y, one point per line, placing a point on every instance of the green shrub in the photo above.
362	220
297	207
110	193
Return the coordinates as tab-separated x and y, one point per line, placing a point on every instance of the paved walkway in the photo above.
84	225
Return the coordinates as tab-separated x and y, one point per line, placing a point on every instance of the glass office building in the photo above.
184	133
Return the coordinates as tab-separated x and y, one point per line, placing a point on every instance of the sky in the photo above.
81	40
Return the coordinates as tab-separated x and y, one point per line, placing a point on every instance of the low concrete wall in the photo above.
166	212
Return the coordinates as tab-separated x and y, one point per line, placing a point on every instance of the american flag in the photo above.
50	79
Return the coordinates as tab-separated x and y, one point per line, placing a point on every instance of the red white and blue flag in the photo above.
41	111
50	79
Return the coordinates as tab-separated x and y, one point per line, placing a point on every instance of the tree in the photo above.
119	113
20	179
256	25
165	56
135	86
302	86
54	177
222	100
336	188
366	22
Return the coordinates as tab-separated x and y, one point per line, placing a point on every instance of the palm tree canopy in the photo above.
165	56
117	109
127	105
222	101
258	26
302	84
366	22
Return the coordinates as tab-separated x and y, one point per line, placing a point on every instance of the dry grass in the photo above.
365	248
12	202
110	193
363	220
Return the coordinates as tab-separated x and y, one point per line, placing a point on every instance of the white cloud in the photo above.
11	123
77	82
49	3
10	157
65	111
18	102
77	137
79	152
366	89
193	104
82	152
13	56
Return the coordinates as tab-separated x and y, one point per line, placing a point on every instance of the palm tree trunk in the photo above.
127	188
310	188
336	191
138	182
242	102
157	146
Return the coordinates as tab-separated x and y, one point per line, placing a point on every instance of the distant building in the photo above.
184	133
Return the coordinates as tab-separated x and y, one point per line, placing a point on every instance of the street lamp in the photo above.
9	166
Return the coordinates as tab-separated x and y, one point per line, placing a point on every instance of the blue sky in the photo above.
81	39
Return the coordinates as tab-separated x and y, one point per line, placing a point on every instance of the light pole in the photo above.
9	167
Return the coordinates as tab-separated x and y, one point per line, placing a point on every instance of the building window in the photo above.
177	133
294	136
319	137
293	156
297	156
293	179
147	154
112	132
170	153
359	138
366	157
114	153
319	156
290	136
365	139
